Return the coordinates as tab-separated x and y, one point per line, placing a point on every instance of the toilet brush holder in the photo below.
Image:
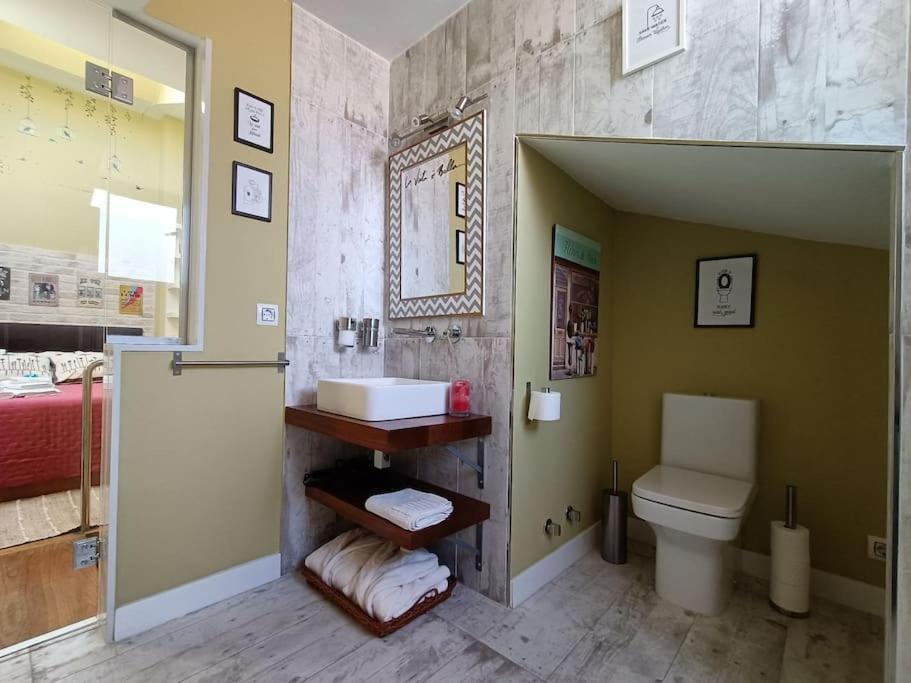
614	507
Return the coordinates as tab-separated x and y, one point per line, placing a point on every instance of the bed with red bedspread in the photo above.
41	441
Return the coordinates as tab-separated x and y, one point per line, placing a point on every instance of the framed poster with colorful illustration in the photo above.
254	119
652	30
130	300
251	192
725	291
6	284
43	290
575	284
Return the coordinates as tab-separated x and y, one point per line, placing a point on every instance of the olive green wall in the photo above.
201	454
817	360
555	464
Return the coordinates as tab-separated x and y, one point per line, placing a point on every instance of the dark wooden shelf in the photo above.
390	436
346	492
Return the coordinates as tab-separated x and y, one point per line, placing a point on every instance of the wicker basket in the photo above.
378	628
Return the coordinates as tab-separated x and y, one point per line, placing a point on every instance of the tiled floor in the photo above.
596	622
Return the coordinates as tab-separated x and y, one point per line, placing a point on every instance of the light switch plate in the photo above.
267	314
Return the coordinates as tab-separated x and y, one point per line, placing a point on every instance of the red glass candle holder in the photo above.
460	398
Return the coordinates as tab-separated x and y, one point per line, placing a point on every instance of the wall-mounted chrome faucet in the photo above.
551	528
451	334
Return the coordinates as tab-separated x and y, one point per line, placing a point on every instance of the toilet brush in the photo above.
614	504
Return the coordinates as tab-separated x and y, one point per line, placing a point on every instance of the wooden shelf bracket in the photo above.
476	549
476	465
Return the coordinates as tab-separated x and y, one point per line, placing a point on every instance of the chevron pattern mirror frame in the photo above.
470	132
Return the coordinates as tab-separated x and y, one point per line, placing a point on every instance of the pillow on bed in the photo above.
24	365
68	366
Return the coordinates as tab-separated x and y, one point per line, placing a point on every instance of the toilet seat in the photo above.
688	490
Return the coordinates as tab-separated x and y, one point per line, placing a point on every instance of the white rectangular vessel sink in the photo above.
382	398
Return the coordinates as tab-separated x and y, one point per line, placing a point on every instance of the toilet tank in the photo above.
711	435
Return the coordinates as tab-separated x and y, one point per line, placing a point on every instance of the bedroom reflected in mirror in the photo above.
436	224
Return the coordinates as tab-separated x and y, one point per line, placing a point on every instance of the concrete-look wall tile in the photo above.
591	12
709	92
866	97
398	94
544	91
542	24
362	244
311	358
403	357
792	76
366	88
500	122
317	218
317	62
606	102
491	40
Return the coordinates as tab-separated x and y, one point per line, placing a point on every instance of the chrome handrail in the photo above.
85	482
178	363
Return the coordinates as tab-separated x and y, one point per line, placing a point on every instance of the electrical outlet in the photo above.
876	548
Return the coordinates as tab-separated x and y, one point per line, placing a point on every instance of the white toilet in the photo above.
697	498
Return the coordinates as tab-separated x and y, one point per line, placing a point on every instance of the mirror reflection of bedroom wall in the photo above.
746	277
93	135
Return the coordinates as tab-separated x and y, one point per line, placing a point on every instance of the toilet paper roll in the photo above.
789	583
544	406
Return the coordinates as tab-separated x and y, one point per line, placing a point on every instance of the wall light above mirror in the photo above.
436	224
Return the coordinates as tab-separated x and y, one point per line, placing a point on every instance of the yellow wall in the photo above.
555	464
817	360
201	454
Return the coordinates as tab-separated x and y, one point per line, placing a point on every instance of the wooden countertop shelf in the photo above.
346	492
390	436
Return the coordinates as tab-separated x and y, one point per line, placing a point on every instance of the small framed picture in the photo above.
43	290
652	30
251	192
254	120
90	292
460	247
6	284
726	291
460	199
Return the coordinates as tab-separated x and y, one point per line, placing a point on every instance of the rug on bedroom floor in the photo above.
32	519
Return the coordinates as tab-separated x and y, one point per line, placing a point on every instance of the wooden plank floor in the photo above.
596	622
41	592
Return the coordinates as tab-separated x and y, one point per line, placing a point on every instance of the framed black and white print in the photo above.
460	247
5	283
726	291
652	30
251	192
460	199
254	120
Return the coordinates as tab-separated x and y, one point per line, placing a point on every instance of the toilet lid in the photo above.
707	494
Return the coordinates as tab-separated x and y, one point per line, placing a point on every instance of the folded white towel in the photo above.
26	386
317	560
410	509
345	566
370	571
390	601
376	571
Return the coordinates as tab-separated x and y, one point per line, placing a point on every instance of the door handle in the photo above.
85	480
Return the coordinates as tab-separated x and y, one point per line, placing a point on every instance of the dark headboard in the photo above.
24	337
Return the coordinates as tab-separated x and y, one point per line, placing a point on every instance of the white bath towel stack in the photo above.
410	509
385	580
26	386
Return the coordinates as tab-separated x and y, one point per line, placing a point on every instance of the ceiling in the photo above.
825	195
388	27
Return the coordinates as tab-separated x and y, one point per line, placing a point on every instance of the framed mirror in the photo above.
436	224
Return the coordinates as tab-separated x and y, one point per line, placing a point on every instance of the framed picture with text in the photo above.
652	30
254	120
726	291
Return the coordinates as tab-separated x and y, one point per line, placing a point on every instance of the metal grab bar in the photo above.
178	363
85	481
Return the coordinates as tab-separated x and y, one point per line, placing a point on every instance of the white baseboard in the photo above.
550	567
141	615
838	589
